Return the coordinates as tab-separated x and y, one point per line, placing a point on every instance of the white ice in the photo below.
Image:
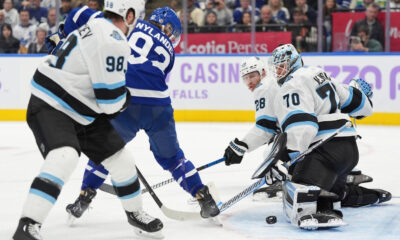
20	162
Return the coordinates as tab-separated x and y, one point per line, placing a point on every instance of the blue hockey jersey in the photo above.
152	58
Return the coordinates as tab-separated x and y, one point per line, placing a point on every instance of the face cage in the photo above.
280	67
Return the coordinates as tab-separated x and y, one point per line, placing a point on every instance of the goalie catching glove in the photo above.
362	86
234	152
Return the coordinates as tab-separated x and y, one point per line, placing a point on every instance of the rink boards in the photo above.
207	88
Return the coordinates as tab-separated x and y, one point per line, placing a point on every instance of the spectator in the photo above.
10	13
329	7
2	17
224	15
37	14
65	9
363	43
343	4
175	4
50	3
395	4
244	7
304	35
259	3
192	26
280	14
361	5
24	31
245	23
196	14
263	25
8	44
210	23
375	27
95	5
51	23
38	46
311	14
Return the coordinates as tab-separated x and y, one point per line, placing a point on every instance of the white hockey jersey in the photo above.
310	105
266	122
87	77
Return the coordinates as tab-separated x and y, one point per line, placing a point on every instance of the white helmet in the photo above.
251	64
121	7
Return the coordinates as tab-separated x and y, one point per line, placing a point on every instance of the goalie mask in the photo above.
252	70
169	22
284	60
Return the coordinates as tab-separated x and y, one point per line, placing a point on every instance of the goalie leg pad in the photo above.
299	200
46	187
125	180
357	196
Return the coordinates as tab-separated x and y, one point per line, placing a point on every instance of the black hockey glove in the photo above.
234	152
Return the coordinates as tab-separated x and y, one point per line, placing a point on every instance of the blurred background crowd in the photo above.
25	24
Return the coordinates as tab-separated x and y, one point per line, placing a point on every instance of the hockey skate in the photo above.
207	204
80	205
145	225
27	229
321	220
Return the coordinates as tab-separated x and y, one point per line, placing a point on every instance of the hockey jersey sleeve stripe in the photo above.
331	126
109	94
109	86
51	88
266	123
112	101
355	101
296	118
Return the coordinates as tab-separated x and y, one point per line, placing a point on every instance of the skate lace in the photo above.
34	230
143	217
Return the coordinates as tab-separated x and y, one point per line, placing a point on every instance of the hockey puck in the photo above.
271	219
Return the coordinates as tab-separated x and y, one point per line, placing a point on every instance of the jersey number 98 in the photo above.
113	64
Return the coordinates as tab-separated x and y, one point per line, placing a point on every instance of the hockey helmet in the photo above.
251	64
284	60
169	22
121	8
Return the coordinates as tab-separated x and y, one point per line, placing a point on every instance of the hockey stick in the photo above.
110	189
319	143
261	181
170	213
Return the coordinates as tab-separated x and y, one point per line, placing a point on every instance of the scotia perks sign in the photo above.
215	43
343	23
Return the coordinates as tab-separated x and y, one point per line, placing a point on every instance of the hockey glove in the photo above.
55	40
362	86
234	152
277	173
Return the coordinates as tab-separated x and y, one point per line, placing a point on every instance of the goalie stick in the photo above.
274	154
170	213
110	189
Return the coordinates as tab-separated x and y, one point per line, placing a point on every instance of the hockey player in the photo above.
252	72
74	94
152	58
308	109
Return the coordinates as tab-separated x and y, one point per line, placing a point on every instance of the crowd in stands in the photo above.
25	23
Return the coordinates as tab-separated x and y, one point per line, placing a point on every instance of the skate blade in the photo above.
70	220
216	221
148	235
313	224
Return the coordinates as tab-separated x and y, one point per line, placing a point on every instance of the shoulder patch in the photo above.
116	35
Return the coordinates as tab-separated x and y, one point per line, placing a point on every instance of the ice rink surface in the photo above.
20	162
